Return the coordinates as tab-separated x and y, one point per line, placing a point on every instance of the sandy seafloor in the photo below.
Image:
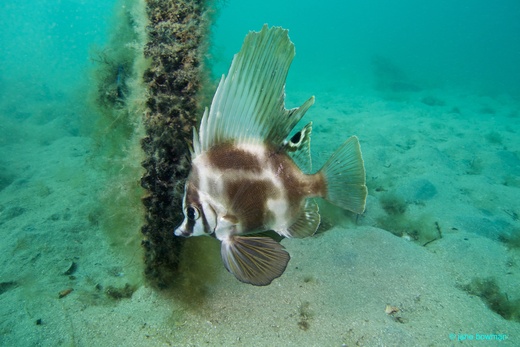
461	174
443	171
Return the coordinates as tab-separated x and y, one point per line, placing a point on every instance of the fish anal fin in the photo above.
307	223
254	260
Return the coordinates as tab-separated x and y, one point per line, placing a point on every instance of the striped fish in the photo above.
249	176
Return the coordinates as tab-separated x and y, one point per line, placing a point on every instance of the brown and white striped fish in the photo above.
249	176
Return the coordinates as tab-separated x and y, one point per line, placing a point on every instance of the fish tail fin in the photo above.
254	260
344	176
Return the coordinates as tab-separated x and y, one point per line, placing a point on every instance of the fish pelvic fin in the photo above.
344	176
254	260
249	104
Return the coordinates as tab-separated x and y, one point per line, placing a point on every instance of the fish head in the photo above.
200	217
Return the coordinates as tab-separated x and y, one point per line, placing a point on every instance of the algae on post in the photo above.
149	82
118	97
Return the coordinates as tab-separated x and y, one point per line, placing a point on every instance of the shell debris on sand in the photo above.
65	292
391	310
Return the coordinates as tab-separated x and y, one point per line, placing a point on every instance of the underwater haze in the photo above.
430	88
466	44
45	44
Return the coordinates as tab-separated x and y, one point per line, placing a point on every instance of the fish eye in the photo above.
192	212
296	138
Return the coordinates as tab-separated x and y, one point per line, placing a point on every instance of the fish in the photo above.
250	176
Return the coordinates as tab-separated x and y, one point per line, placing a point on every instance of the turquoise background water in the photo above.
45	44
453	43
432	90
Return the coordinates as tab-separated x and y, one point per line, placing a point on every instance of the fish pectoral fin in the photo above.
254	260
307	223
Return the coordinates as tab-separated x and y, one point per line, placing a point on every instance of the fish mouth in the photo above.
180	232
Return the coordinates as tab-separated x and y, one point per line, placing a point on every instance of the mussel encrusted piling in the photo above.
178	34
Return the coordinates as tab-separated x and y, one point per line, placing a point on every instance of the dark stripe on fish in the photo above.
227	156
297	185
248	198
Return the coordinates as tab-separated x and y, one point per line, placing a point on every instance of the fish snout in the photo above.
182	232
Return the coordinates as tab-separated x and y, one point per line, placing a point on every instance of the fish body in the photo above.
248	176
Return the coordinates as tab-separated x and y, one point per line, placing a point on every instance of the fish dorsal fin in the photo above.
299	148
248	106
